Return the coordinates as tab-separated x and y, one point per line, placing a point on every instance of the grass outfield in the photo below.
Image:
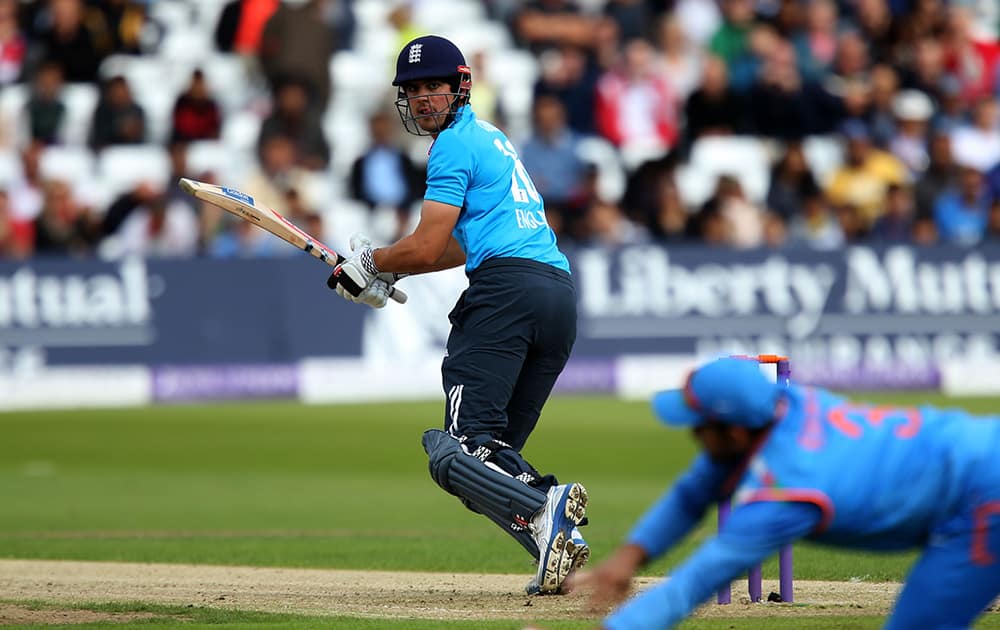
346	487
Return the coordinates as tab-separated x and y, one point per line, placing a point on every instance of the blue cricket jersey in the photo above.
474	166
833	471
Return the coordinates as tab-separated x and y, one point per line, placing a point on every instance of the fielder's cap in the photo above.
428	57
729	390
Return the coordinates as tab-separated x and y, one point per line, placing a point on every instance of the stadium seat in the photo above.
824	155
744	157
226	162
229	81
13	122
694	184
240	131
81	100
71	163
10	167
441	16
122	167
610	172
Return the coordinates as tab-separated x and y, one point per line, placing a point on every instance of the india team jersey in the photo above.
474	166
882	476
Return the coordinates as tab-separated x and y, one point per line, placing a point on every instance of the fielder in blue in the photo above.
801	462
512	329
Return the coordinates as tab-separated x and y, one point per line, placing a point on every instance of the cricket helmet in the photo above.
431	57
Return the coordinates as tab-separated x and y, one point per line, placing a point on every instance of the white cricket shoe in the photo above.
561	547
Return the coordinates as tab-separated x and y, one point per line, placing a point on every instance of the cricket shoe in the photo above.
561	548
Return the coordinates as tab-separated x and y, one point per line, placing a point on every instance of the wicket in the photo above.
782	374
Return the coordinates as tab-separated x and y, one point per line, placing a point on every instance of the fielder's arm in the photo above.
430	247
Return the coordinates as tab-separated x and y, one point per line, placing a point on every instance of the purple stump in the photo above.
753	583
785	574
724	596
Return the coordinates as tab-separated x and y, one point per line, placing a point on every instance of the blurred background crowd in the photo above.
732	123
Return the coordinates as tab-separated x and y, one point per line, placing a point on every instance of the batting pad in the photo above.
483	488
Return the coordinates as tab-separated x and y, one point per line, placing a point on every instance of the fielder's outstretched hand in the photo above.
608	583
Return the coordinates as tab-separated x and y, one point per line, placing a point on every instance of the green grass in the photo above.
280	484
196	618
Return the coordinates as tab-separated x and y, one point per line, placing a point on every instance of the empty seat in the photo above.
71	163
824	155
80	100
122	167
743	157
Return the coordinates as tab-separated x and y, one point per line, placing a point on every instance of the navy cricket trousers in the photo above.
512	331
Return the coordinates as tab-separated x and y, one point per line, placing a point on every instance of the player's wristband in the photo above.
368	261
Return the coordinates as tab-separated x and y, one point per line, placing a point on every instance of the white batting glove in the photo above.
374	295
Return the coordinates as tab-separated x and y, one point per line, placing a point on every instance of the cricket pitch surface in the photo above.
370	594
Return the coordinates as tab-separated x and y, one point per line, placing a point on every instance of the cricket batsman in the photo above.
512	329
804	463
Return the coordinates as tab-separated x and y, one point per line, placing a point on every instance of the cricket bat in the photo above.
243	206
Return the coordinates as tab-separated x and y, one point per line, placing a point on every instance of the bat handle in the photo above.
398	295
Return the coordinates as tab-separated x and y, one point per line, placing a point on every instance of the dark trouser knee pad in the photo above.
482	487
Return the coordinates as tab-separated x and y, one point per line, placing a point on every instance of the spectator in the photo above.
63	227
294	119
978	144
993	183
775	231
635	105
296	46
951	112
816	44
277	173
542	25
682	59
118	119
145	222
816	225
912	109
241	24
783	105
714	108
551	157
385	177
606	225
196	115
570	75
65	38
653	200
853	223
15	236
896	223
731	42
993	224
484	99
791	183
26	195
129	27
742	221
879	115
46	110
971	58
941	174
961	214
927	70
861	182
850	63
632	17
13	45
876	26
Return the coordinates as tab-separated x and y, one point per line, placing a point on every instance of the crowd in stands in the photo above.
689	98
